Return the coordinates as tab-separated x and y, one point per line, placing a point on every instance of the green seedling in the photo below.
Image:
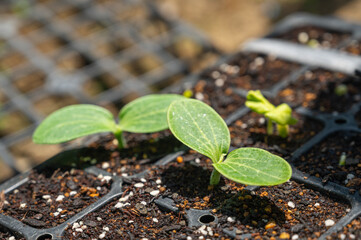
342	160
199	127
341	90
281	115
143	115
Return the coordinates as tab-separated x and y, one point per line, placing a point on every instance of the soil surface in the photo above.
251	131
351	231
48	200
5	234
324	158
318	90
286	210
247	71
315	36
353	48
142	151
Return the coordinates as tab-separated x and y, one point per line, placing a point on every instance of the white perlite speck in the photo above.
143	202
155	220
46	197
295	237
202	230
55	214
291	204
219	82
60	198
78	230
158	181
22	205
189	238
11	238
154	193
130	221
329	223
302	37
106	229
342	236
76	225
199	96
230	219
72	193
99	219
105	165
143	180
317	205
139	185
101	236
107	178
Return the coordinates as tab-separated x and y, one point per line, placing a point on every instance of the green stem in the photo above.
119	136
282	130
215	177
269	127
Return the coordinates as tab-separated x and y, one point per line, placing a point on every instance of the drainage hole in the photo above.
340	121
45	237
205	219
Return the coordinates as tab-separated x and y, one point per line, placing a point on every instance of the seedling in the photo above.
341	90
143	115
199	127
281	115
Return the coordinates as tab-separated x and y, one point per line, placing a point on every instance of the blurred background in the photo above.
109	52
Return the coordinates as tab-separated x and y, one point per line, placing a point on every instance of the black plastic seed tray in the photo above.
100	52
333	122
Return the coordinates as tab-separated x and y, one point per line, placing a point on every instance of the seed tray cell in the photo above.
71	61
49	104
29	27
101	46
98	84
315	36
28	154
323	160
353	48
317	90
13	122
143	65
12	60
6	171
29	81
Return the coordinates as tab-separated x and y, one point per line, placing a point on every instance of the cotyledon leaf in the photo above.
199	127
147	114
254	166
72	122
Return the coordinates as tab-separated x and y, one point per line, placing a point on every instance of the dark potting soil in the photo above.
350	231
315	36
142	151
316	90
48	200
251	131
247	71
283	210
278	211
323	160
353	48
358	118
6	234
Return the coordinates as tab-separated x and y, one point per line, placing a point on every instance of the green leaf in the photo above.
254	166
282	115
72	122
258	103
147	114
198	126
